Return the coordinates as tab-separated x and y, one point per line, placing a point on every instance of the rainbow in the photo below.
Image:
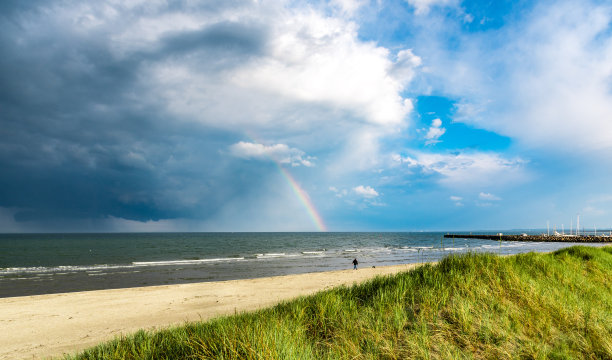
302	195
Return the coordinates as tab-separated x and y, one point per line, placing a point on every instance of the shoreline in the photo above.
32	265
41	326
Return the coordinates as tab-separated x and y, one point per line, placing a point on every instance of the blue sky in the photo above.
389	115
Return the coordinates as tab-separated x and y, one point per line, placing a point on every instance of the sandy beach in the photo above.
51	325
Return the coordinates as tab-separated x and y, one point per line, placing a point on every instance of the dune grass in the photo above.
474	306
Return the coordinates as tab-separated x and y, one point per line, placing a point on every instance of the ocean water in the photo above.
32	264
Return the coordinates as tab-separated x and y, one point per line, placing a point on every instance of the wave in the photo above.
454	249
407	248
64	270
313	252
184	262
275	255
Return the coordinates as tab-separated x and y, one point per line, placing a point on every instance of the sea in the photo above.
34	264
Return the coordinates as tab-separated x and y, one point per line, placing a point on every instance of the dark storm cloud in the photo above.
78	139
9	8
241	39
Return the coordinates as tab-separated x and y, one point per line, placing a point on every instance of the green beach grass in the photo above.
475	306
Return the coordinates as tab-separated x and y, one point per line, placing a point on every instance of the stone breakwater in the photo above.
538	238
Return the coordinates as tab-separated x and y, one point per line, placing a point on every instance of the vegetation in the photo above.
474	306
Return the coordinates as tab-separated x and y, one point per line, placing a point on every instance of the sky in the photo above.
340	115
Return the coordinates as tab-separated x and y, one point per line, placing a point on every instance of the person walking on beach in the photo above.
355	262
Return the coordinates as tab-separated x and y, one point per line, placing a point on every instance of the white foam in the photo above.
63	270
275	255
183	262
54	269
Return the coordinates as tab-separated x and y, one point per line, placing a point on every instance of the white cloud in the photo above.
421	7
360	196
307	61
405	66
279	152
365	191
456	200
339	193
348	7
488	197
435	131
542	81
398	159
468	170
318	59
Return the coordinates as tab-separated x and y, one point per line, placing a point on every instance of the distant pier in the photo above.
538	238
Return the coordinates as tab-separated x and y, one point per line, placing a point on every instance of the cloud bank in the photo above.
150	115
126	110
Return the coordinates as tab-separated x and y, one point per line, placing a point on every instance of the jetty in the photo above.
535	238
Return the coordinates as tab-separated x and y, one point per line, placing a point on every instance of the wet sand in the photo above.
45	326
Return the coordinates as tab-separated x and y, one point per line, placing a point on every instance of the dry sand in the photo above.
51	325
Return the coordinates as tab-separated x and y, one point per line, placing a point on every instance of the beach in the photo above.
44	326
